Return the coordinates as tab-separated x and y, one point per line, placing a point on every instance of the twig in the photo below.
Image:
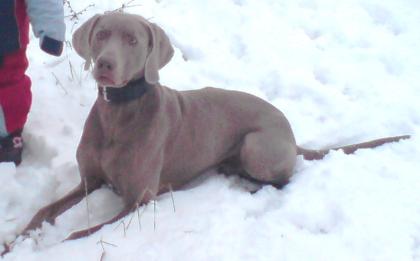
125	5
102	242
74	15
103	248
57	82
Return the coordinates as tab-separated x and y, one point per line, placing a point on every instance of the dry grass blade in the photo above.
154	215
139	215
87	203
172	197
102	258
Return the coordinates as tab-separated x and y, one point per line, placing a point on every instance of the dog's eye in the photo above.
131	40
103	34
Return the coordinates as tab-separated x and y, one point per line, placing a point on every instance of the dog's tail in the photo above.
349	149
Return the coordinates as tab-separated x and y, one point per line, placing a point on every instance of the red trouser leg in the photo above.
15	92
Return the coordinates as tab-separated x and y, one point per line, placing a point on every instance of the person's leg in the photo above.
15	102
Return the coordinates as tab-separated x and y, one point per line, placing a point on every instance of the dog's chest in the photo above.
116	161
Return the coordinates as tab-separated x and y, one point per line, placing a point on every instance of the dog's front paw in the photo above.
44	214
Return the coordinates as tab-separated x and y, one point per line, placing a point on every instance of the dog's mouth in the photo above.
107	81
104	80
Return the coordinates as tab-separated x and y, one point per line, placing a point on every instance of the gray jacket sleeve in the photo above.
47	20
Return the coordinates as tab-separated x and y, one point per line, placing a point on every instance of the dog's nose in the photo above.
105	64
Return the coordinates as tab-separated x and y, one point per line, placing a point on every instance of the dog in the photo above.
143	138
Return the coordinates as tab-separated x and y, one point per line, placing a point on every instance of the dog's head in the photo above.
123	47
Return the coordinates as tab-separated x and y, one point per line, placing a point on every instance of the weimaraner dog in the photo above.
143	138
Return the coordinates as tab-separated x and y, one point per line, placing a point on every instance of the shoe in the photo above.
11	148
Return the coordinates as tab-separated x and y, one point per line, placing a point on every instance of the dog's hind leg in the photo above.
268	159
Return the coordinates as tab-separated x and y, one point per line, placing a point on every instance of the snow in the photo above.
341	71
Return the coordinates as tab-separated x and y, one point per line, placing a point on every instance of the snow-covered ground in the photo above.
341	71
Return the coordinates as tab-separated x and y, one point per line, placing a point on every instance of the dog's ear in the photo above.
82	39
160	54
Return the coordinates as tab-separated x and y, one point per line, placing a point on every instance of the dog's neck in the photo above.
132	91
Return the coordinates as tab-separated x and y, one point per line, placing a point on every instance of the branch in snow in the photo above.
74	15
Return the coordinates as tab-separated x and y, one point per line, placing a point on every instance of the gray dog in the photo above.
143	138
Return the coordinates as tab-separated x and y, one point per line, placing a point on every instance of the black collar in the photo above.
133	90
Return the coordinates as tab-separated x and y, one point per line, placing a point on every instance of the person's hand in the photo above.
51	46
